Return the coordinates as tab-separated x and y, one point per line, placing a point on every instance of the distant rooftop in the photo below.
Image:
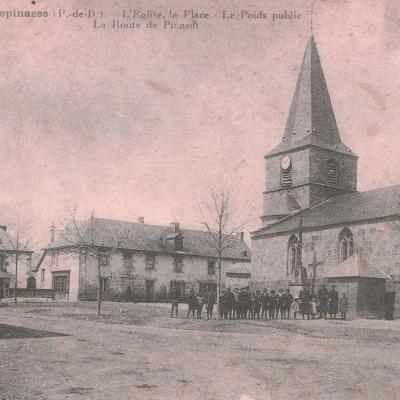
151	238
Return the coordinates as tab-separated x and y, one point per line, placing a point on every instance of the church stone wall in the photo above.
380	243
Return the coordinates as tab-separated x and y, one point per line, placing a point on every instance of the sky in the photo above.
131	123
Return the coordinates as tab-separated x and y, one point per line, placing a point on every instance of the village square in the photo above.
126	309
301	301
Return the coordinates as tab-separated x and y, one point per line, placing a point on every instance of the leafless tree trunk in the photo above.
99	286
19	243
217	217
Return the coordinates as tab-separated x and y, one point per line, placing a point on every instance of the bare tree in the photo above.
218	218
88	239
18	241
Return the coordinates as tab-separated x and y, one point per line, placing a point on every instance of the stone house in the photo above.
140	261
314	218
7	264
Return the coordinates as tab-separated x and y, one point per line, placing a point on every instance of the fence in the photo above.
42	293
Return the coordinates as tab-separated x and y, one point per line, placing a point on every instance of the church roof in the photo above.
356	266
311	118
341	210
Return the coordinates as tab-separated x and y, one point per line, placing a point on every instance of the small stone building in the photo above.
363	283
138	261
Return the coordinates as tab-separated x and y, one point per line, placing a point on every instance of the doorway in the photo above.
149	290
61	286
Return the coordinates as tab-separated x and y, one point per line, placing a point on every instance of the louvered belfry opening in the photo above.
332	175
286	178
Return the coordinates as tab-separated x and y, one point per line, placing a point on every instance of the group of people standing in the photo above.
244	304
323	303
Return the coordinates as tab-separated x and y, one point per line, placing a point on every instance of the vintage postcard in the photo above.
200	199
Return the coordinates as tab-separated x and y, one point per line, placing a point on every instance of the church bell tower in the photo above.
311	164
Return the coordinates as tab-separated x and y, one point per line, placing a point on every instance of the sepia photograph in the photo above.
201	199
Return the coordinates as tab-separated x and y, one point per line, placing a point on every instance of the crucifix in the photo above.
314	266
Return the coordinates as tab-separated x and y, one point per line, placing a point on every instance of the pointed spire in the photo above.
311	112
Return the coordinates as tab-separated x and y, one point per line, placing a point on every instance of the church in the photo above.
316	226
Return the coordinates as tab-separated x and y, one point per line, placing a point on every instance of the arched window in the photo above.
294	254
346	244
332	172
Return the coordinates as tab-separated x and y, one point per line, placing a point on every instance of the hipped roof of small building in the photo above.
150	238
356	266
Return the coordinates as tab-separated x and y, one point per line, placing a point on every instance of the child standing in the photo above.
313	306
343	305
295	307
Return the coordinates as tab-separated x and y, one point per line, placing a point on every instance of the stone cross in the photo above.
314	266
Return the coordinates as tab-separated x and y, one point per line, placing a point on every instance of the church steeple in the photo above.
311	164
311	118
311	112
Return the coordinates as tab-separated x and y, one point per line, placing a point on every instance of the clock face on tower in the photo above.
286	162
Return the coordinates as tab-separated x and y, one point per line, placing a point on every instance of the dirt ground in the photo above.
138	352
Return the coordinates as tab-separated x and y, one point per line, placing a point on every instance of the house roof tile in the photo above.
151	238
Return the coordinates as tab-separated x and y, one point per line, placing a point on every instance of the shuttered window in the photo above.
332	173
286	178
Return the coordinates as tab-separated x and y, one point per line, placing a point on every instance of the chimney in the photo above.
240	236
175	227
4	228
52	233
140	220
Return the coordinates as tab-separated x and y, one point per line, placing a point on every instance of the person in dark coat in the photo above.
236	303
272	304
192	303
247	303
288	302
333	300
257	304
323	301
210	301
281	303
222	304
229	302
241	303
264	304
199	305
175	296
305	298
